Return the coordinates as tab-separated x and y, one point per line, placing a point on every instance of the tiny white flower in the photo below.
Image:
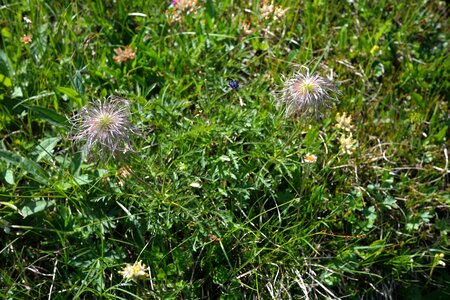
310	158
27	20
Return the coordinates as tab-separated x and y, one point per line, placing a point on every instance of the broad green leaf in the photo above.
76	181
441	134
9	176
35	207
50	115
28	165
70	92
77	83
39	174
10	157
419	100
17	92
40	42
5	65
6	81
45	147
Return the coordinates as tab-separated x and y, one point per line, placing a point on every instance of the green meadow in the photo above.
224	149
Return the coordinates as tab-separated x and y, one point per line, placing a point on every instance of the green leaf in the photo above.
40	42
343	38
390	203
36	170
70	92
419	99
9	176
210	8
441	134
5	65
50	115
10	157
35	207
45	148
39	174
17	92
77	82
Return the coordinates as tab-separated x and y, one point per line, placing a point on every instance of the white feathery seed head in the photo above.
104	128
307	95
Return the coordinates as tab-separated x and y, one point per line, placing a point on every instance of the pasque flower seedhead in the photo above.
104	128
307	95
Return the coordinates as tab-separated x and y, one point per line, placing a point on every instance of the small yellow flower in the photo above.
375	50
134	271
310	158
438	257
348	144
344	122
124	55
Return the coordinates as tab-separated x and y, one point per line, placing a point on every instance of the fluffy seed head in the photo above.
104	127
307	95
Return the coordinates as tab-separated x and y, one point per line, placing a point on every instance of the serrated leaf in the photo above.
390	203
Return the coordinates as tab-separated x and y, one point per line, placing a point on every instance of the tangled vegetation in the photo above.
287	150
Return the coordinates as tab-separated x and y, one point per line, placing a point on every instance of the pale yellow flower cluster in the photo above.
348	144
245	28
267	10
134	271
343	124
180	8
